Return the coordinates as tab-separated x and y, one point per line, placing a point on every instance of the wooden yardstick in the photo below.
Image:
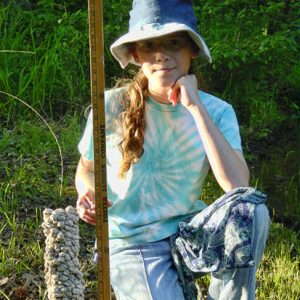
96	40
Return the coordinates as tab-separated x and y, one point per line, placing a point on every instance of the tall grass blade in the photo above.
53	134
16	51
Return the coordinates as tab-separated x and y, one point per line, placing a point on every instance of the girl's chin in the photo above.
164	82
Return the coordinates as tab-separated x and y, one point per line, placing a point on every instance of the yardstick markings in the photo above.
97	95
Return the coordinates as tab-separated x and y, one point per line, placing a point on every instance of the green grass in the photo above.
279	274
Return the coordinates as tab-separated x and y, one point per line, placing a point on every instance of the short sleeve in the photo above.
112	109
228	124
86	144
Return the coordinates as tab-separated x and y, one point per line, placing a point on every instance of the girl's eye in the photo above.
174	44
147	46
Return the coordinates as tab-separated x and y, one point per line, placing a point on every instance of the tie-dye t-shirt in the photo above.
164	187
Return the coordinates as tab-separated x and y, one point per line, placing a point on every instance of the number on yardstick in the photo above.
97	95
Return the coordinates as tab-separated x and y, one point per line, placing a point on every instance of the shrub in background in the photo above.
255	51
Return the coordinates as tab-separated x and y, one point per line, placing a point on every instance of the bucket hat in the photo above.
156	18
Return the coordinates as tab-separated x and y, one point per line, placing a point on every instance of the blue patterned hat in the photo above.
156	18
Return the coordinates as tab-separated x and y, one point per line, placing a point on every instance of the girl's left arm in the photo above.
228	165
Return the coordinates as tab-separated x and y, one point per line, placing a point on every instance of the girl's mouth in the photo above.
164	70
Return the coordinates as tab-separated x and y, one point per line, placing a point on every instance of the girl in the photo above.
163	135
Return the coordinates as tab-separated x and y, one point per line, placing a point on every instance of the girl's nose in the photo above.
161	56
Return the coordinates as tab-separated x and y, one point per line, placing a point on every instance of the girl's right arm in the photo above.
85	186
84	182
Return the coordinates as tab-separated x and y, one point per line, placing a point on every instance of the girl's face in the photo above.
164	60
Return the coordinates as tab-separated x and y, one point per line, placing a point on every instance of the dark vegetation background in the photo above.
254	46
44	62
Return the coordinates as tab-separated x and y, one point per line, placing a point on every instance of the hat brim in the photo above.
121	51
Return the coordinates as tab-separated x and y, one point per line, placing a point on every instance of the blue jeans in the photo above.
146	272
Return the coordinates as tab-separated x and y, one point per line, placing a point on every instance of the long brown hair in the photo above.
132	120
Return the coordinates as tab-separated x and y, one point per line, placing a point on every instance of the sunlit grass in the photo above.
279	274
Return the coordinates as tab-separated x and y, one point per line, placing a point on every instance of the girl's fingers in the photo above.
89	218
90	202
174	92
173	95
86	213
184	90
83	206
86	208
